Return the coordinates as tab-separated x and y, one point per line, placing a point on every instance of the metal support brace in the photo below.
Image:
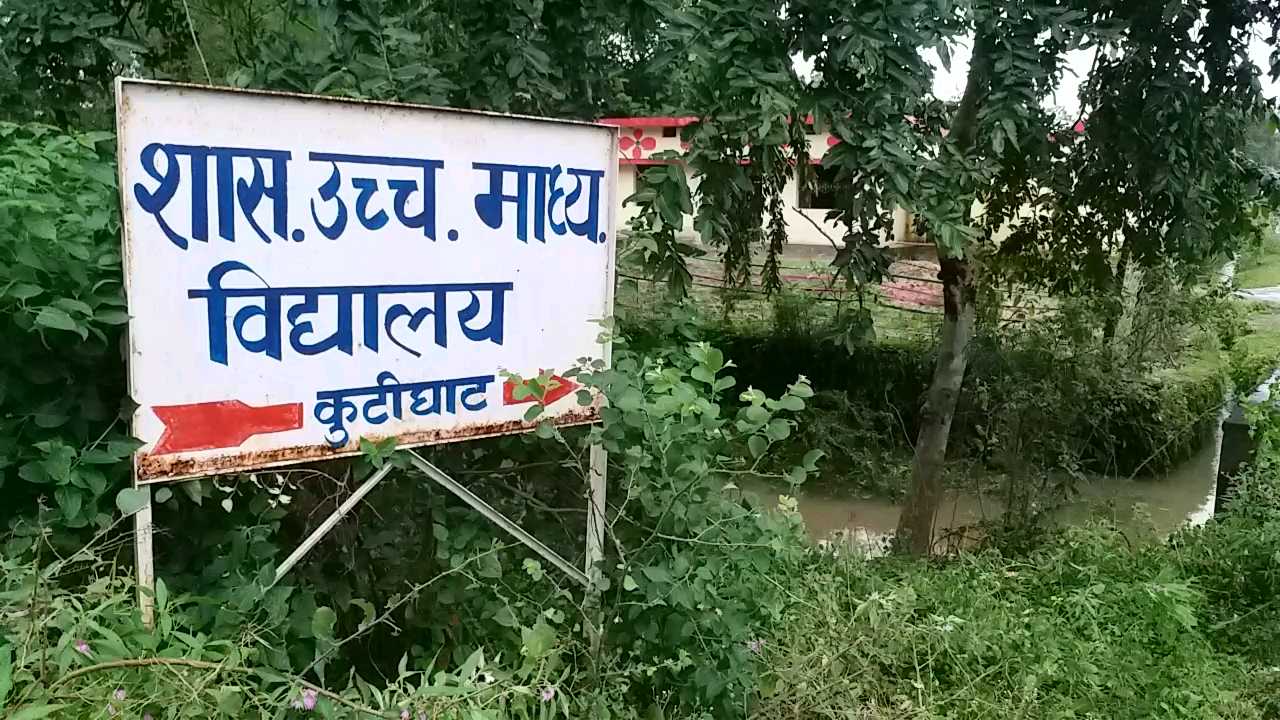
496	517
595	545
318	534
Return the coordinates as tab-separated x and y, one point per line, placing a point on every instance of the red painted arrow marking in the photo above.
564	387
220	424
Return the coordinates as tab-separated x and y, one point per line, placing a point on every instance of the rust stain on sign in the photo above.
153	468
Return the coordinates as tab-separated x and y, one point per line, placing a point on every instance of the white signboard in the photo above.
305	272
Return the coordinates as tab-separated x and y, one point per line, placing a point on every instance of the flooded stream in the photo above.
1182	496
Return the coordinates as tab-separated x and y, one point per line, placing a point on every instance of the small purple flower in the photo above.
308	699
82	647
404	714
755	646
111	710
296	704
548	693
118	694
147	716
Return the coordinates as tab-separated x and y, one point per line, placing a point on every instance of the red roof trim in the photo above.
651	161
643	161
660	121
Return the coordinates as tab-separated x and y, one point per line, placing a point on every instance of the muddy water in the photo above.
1182	496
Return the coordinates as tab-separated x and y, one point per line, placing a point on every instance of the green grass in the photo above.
1262	276
1265	326
1260	267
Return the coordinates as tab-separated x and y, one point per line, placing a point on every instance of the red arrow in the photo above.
564	387
220	424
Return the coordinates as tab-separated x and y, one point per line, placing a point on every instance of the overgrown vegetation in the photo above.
713	607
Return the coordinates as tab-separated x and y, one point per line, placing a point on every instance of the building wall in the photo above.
642	138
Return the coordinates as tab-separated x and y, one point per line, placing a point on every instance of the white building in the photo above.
640	138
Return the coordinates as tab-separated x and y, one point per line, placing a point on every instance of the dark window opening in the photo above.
818	189
670	131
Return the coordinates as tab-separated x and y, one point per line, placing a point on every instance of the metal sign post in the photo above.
596	498
305	272
144	556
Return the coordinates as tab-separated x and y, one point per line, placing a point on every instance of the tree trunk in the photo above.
1119	296
915	526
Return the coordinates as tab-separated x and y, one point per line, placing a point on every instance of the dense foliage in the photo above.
61	317
713	607
554	57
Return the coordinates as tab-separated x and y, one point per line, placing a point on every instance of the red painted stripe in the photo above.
220	424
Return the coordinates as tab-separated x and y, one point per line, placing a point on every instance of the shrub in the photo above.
81	651
62	389
1085	627
1236	556
693	582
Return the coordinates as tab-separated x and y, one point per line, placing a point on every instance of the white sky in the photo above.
949	85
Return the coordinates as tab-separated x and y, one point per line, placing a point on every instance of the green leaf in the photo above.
757	444
778	429
629	584
796	475
95	456
631	399
122	44
522	390
56	319
472	665
1010	129
43	228
322	622
811	458
791	402
229	701
70	499
50	416
538	641
163	495
801	389
6	672
505	617
366	607
71	305
532	413
35	712
24	291
111	317
656	574
131	500
323	83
